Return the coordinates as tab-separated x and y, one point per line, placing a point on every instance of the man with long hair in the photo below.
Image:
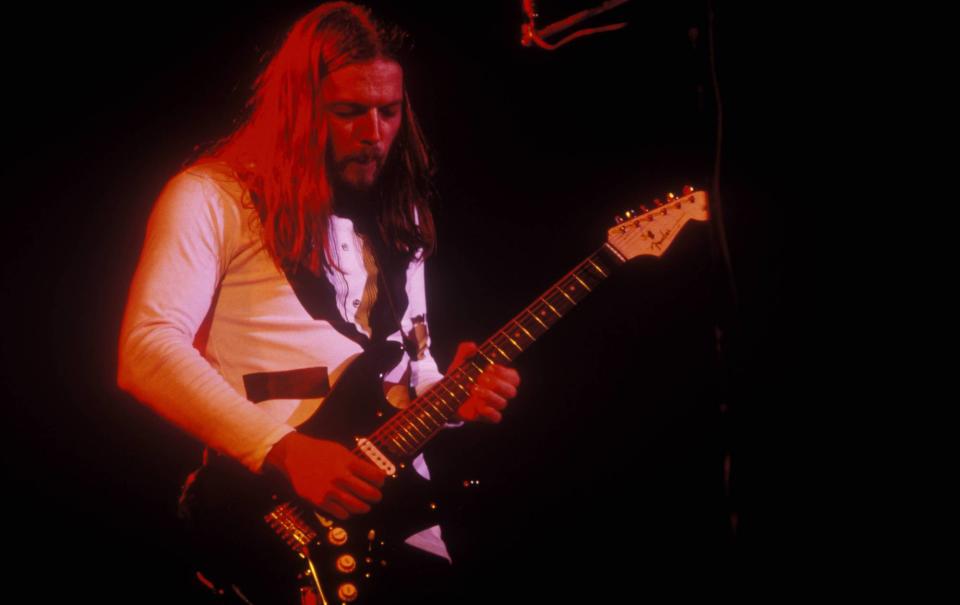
283	252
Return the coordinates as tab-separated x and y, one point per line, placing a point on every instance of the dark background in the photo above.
606	474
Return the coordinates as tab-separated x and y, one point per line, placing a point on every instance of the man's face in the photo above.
363	103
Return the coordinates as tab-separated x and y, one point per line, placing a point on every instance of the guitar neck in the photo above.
410	429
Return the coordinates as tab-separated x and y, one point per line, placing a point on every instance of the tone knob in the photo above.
337	536
347	592
346	564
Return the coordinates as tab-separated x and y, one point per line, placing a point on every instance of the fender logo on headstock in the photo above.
636	233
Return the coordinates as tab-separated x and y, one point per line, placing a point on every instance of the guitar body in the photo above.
260	537
253	532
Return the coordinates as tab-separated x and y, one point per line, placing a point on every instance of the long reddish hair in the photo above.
279	151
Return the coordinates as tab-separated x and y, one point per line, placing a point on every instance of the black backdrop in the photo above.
606	474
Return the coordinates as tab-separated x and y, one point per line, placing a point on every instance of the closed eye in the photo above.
352	110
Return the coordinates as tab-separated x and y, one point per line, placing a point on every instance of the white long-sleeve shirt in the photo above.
203	263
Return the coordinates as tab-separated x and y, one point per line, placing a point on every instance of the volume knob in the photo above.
347	592
346	564
337	536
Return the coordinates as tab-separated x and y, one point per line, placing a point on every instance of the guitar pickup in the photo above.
375	456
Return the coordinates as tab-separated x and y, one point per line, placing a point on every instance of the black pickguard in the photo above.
226	504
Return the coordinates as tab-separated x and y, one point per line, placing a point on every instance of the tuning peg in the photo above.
658	202
629	214
671	197
618	218
644	208
687	190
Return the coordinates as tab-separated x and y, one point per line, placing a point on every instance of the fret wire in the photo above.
466	392
576	288
466	370
426	411
543	313
529	335
562	299
434	405
558	307
492	362
545	326
450	408
444	387
551	307
587	274
405	429
562	291
457	372
505	356
583	283
512	341
424	424
597	267
400	447
443	399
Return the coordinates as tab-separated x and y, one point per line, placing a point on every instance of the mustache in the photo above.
365	156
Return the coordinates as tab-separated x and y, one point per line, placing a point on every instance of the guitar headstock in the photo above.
651	230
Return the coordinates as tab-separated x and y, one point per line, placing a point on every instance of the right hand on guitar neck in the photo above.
327	474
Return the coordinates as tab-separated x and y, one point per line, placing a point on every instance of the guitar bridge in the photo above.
290	526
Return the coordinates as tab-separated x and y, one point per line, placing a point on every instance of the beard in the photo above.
355	186
358	172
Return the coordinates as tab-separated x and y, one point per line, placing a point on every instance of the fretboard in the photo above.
410	429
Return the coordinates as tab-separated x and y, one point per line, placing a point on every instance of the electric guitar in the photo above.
250	524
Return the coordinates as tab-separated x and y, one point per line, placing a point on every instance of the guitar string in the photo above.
554	296
402	417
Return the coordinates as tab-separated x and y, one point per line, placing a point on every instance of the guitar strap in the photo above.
318	296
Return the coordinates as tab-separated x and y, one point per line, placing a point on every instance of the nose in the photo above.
369	127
